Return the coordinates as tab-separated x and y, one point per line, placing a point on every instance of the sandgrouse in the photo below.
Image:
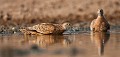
46	28
100	24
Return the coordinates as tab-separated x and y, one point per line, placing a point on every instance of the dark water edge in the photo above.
74	30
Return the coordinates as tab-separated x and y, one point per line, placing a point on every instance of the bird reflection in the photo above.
100	39
45	41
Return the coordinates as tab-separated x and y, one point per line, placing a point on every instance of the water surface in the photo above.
84	44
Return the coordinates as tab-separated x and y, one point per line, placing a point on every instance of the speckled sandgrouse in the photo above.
100	24
46	28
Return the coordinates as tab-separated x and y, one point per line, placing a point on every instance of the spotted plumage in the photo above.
100	23
46	28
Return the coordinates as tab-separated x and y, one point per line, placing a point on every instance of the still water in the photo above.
84	44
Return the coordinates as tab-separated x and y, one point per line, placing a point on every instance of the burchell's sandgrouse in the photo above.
100	24
46	28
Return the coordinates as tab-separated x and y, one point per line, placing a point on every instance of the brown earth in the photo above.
24	12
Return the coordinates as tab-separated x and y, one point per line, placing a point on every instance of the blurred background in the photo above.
24	12
16	14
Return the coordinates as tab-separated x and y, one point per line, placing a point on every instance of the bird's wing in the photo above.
45	28
105	26
107	23
108	26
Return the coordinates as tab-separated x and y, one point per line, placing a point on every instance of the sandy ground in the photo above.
17	12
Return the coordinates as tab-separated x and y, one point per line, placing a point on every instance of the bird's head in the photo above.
100	12
66	25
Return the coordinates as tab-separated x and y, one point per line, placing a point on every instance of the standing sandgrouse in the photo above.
46	28
100	24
